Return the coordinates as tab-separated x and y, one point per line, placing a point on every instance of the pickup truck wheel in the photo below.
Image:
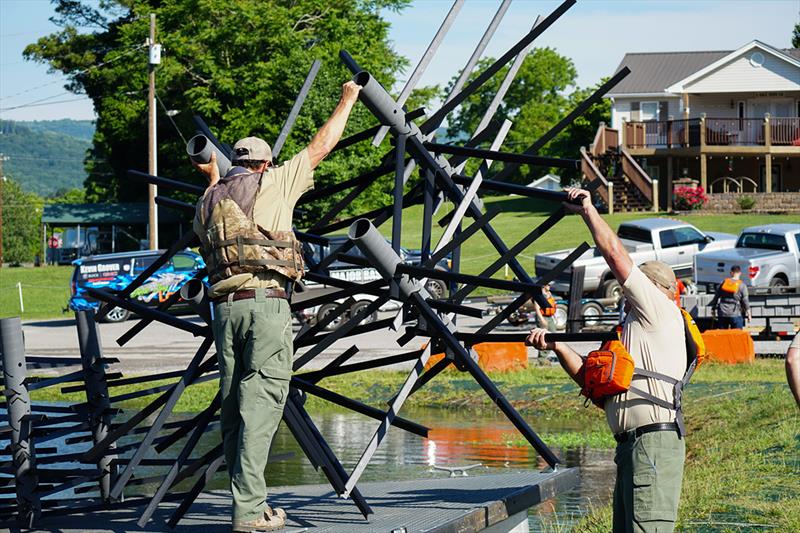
561	317
117	314
591	312
778	281
611	289
437	288
323	312
358	307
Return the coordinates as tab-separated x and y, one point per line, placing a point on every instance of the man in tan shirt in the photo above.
650	450
244	222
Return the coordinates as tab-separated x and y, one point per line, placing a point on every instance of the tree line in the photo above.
240	65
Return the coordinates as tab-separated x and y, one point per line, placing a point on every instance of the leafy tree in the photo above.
237	64
796	36
543	91
582	130
22	222
67	196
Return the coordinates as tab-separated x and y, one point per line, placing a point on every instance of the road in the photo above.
164	348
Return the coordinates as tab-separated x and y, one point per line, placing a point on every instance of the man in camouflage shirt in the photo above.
244	222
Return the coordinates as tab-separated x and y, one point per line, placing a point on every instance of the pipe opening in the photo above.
362	78
359	228
192	289
196	145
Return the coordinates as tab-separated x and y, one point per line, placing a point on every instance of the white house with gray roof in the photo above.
724	118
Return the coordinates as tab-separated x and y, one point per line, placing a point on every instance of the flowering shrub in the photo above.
690	198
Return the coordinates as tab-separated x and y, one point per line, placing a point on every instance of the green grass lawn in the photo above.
519	216
46	290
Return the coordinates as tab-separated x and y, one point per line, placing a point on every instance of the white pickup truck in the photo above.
671	241
768	255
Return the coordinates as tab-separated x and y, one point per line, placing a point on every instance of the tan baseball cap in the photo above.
252	148
660	273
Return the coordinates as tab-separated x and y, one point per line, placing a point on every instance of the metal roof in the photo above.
122	213
654	72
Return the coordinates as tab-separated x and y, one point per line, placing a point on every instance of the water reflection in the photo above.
457	439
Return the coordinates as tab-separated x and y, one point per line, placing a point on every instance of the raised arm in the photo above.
604	237
330	133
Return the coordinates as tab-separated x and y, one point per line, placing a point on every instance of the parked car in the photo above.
357	274
768	255
116	271
672	241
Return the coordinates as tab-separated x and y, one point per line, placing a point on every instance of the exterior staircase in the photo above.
623	181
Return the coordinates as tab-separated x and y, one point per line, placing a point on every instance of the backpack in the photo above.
730	286
610	370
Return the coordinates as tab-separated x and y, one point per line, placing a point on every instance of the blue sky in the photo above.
594	33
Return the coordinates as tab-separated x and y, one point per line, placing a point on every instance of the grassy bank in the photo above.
742	468
45	291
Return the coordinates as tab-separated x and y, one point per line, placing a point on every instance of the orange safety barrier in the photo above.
494	357
729	346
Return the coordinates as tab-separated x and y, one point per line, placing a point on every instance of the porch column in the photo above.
768	172
767	156
655	196
686	106
703	171
669	183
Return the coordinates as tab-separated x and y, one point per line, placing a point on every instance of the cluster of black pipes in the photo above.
114	448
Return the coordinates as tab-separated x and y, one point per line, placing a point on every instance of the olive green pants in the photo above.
254	349
648	487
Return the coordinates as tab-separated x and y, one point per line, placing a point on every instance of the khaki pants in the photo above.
254	349
648	487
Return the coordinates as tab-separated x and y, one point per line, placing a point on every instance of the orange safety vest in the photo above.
730	285
549	311
609	370
680	289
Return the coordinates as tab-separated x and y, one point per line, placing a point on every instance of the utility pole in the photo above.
2	182
154	58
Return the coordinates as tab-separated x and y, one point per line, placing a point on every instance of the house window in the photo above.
798	108
649	111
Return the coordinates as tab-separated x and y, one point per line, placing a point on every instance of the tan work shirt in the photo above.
280	189
654	336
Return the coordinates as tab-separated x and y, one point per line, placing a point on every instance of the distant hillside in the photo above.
44	158
81	129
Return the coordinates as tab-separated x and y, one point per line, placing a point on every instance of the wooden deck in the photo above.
442	504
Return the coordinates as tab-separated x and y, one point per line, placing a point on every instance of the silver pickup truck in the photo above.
672	241
768	255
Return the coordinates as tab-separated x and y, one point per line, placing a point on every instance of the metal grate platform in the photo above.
464	504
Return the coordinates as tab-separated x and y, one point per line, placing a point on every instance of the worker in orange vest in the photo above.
545	318
730	301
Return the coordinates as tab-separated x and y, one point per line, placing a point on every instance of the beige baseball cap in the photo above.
252	148
660	273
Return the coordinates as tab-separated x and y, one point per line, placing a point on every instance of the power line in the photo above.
82	71
43	104
169	116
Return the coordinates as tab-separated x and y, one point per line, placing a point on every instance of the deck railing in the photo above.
785	131
663	133
735	131
711	131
